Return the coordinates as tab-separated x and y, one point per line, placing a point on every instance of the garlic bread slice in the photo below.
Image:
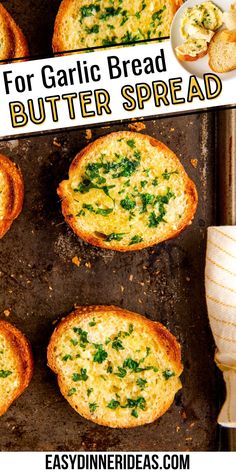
11	193
115	368
127	191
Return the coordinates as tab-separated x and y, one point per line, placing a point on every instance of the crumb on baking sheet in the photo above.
76	260
194	163
88	134
56	143
172	130
7	312
88	265
137	126
131	277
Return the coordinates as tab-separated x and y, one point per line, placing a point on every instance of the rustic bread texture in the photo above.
86	24
222	51
16	364
115	368
11	193
12	41
127	191
192	50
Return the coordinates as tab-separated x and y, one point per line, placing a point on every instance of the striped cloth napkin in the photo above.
220	283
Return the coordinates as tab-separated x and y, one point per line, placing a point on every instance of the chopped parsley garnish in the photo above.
117	344
114	237
141	383
110	12
97	211
93	407
101	355
156	17
125	16
82	376
71	391
147	199
135	240
131	143
121	372
5	373
113	404
127	203
67	357
92	323
74	342
166	175
86	185
134	413
109	369
93	29
143	183
155	182
89	10
109	41
89	391
168	373
83	336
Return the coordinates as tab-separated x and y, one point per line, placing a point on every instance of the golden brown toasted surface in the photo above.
222	51
16	364
127	191
11	193
12	41
86	24
115	367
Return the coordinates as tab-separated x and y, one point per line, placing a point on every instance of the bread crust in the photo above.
14	196
228	37
23	356
18	47
99	242
156	330
188	58
57	43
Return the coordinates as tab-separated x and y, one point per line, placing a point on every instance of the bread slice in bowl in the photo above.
11	193
115	368
222	51
86	24
127	191
16	364
12	41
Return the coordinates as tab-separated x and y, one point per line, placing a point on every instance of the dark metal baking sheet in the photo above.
39	284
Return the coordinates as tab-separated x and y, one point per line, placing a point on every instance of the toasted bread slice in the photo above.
12	41
115	367
127	191
16	364
11	193
222	52
192	50
86	24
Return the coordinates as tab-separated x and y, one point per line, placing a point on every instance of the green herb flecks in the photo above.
5	373
166	175
98	211
167	374
117	344
89	10
110	12
92	323
135	240
83	335
93	29
114	237
71	391
154	219
113	404
80	376
67	357
89	391
141	383
93	407
101	355
127	203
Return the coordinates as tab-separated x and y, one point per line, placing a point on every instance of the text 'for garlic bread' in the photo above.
12	41
16	364
115	367
11	193
127	191
86	24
